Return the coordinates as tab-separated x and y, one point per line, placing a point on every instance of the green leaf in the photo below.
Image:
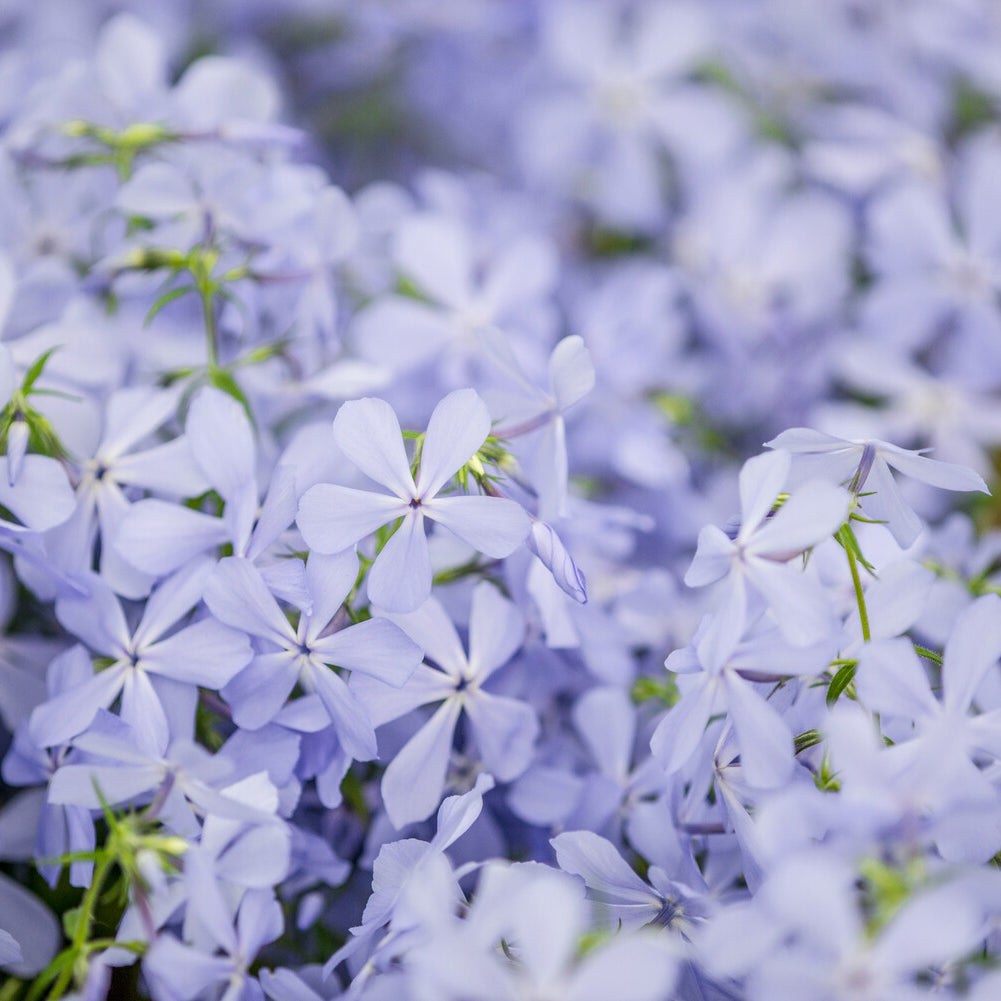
662	689
167	297
808	738
53	970
36	369
847	540
841	680
71	922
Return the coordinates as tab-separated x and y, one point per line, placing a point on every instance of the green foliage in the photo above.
663	690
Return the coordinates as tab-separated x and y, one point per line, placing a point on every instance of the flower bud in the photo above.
548	546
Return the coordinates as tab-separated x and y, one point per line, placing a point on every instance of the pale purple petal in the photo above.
259	691
259	921
431	628
97	619
629	968
142	709
766	749
434	253
882	502
890	680
598	863
761	481
333	518
329	579
168	604
236	595
221	440
678	734
80	785
505	731
812	513
413	782
368	433
713	558
945	475
606	721
56	721
973	647
725	626
385	703
496	526
168	469
571	371
351	719
133	414
496	631
158	537
42	496
400	333
798	602
400	578
376	647
37	927
457	428
207	653
545	795
277	512
931	928
458	813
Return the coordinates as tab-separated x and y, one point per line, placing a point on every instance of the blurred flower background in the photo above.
496	499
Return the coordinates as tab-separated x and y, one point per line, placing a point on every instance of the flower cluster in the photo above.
467	525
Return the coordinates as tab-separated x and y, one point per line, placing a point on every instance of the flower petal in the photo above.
496	526
457	428
368	433
376	647
400	578
333	518
413	782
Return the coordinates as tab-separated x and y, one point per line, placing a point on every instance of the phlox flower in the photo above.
864	466
540	916
149	664
182	972
462	295
570	378
628	899
333	517
759	559
803	937
503	728
237	595
765	740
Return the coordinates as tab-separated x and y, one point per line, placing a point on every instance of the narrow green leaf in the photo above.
167	297
808	738
36	368
840	682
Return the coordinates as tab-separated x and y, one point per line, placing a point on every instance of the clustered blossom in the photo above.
497	500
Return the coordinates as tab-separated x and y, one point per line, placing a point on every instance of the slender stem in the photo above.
859	595
84	922
210	331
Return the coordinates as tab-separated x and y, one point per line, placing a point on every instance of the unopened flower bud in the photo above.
548	546
17	445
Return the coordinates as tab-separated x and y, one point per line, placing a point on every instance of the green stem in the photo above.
859	595
84	923
210	331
